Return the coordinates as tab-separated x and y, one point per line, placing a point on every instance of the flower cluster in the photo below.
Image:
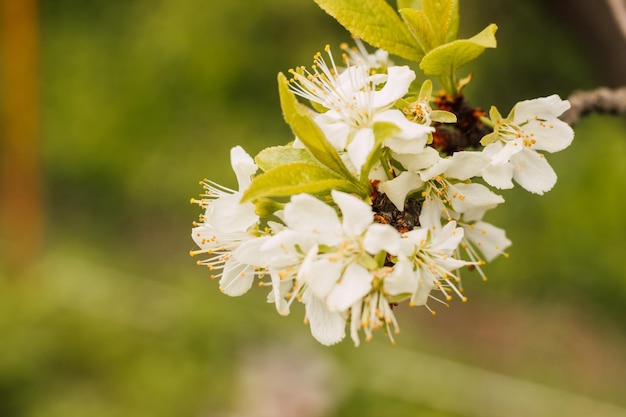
372	203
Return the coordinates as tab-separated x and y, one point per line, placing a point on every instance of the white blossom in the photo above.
225	225
326	259
355	100
532	126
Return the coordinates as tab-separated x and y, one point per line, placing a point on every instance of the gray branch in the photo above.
601	100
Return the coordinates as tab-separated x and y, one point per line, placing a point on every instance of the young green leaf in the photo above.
270	158
265	207
419	26
453	23
446	59
308	132
410	4
377	23
443	16
294	178
434	23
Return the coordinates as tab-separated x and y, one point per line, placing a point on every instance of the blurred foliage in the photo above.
567	243
141	99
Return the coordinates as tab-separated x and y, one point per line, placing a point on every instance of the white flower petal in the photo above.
489	239
356	214
475	214
280	289
360	147
425	284
322	276
473	195
243	165
499	176
399	80
430	216
207	237
306	214
415	238
326	326
398	188
236	278
438	168
351	81
505	152
447	239
250	251
466	165
402	280
409	130
334	128
228	215
378	173
416	162
533	172
551	136
355	284
543	107
382	237
412	137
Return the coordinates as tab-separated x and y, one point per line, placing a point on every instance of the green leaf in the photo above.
419	26
434	23
294	178
446	59
443	16
453	23
410	4
308	132
270	158
377	23
265	207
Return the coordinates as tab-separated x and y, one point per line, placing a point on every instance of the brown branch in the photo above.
618	10
601	100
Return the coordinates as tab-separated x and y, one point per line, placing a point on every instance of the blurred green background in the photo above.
142	99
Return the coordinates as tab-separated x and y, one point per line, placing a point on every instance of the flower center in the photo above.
348	92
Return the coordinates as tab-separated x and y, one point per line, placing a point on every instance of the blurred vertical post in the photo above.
20	192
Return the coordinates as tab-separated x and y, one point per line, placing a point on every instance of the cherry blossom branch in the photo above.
601	100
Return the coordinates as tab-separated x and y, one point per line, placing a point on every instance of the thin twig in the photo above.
601	100
618	10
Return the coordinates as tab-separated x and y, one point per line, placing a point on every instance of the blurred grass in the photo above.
141	99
